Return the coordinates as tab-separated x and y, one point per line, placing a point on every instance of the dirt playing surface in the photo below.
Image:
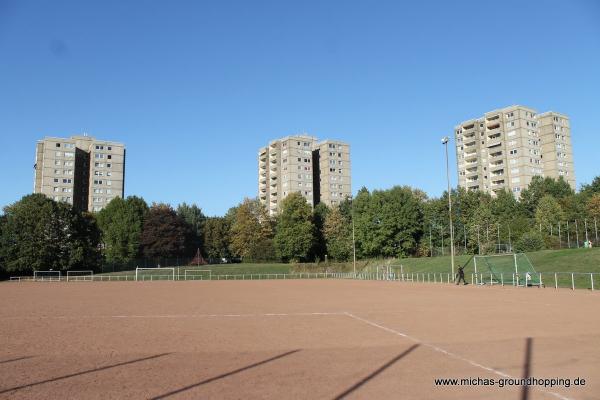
310	339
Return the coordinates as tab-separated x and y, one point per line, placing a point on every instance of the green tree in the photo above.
164	233
41	234
251	231
295	232
121	223
195	219
338	235
548	213
540	187
320	213
591	188
216	238
388	223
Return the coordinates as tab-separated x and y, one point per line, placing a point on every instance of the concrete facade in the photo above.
319	171
506	148
80	170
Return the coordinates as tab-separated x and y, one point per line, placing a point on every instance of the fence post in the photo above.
592	279
555	281
491	280
572	281
502	279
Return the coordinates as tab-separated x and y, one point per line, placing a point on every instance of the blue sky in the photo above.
195	88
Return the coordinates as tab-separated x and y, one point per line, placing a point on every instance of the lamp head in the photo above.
445	140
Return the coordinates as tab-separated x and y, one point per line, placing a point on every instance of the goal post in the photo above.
140	276
47	276
196	274
85	275
501	268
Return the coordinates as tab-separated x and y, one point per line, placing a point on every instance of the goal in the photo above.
46	276
80	276
155	274
513	269
197	274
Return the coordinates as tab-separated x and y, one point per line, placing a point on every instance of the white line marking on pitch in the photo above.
446	352
300	314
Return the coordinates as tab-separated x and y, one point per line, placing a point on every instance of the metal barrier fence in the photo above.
556	280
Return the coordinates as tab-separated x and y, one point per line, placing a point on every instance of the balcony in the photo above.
497	183
495	156
493	117
493	126
495	143
468	127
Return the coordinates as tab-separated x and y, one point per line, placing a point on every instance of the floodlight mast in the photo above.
445	140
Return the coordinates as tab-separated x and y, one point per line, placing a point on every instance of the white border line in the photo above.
446	352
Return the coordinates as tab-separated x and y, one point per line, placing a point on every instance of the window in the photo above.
57	144
109	157
69	154
67	180
514	151
108	191
58	154
109	148
108	173
55	180
69	146
56	189
97	181
56	171
109	165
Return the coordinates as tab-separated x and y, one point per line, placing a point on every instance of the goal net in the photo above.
197	274
80	275
48	276
155	274
511	269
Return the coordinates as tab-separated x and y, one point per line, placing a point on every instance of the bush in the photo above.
530	241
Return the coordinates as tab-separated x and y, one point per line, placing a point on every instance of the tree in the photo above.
195	219
593	206
216	238
121	223
295	232
41	234
164	233
548	213
320	213
338	235
251	231
592	188
388	223
540	187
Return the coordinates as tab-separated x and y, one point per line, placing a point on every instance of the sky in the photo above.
195	88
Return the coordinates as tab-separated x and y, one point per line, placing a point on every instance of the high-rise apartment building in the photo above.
319	171
81	170
506	148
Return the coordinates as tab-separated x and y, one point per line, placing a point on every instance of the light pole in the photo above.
353	241
445	143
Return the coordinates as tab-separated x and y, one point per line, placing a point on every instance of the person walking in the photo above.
461	275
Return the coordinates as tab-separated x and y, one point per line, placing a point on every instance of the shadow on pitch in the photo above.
15	359
527	367
214	378
89	371
376	372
